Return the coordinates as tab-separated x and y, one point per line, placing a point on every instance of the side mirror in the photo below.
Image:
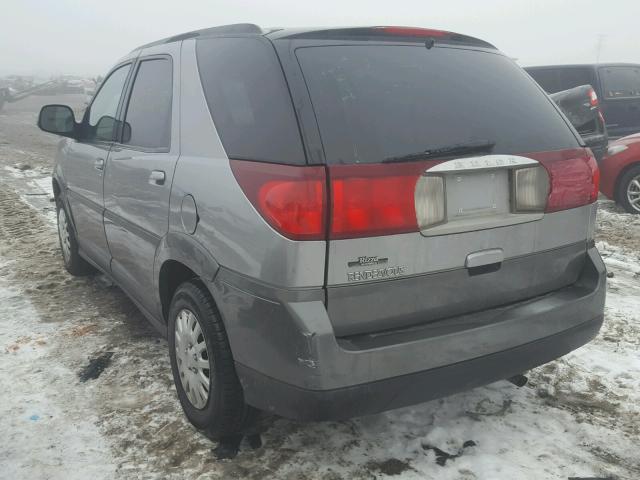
105	129
58	119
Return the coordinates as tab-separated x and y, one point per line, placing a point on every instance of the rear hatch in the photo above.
444	163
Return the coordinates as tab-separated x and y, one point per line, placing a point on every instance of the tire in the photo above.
628	193
220	410
73	262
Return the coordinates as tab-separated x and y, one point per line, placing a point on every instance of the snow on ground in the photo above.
45	431
578	417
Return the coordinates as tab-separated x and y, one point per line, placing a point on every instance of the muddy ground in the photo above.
578	417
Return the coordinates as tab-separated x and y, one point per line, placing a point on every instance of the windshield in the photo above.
375	102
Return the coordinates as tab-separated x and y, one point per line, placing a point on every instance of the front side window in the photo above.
620	82
147	122
102	113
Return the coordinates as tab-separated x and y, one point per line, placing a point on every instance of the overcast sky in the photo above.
47	37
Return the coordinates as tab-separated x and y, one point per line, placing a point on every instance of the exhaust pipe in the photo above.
519	380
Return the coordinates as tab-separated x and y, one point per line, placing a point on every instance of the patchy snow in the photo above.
45	430
579	416
35	189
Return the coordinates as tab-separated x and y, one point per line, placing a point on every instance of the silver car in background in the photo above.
332	223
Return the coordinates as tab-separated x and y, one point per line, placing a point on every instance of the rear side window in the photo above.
148	117
249	100
374	102
620	82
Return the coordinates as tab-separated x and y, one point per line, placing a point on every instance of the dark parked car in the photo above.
617	86
330	223
581	106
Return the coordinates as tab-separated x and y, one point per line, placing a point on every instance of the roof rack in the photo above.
240	28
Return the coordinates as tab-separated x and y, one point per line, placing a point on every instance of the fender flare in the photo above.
185	249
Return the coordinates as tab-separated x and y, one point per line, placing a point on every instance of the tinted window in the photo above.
148	118
620	81
374	102
102	112
548	79
573	77
249	100
557	79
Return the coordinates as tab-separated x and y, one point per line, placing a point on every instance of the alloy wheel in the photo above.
633	193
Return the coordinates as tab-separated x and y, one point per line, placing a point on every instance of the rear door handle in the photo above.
99	164
157	177
484	258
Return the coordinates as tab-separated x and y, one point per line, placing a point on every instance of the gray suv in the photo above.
332	223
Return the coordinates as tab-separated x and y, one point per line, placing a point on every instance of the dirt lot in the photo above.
578	417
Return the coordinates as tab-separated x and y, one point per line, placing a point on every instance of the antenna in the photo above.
599	45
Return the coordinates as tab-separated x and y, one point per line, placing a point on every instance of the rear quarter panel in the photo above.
229	227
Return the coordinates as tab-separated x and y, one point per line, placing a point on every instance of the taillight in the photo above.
531	189
291	199
384	199
574	177
430	201
376	199
593	98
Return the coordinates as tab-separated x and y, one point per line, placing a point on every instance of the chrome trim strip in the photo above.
482	162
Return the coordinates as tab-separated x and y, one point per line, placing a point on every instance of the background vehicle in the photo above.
7	95
582	108
18	88
620	173
617	86
330	223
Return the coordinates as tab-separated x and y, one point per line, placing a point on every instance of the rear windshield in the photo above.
375	102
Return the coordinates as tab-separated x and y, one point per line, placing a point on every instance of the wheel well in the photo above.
172	274
616	190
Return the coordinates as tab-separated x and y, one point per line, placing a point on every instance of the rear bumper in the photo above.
290	362
342	403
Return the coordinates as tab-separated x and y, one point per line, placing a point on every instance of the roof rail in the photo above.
241	28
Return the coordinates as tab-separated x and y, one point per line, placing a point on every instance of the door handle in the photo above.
484	258
157	177
99	164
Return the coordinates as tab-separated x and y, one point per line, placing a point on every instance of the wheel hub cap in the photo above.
633	193
192	358
63	232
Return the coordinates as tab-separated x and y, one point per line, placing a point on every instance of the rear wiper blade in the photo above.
467	148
